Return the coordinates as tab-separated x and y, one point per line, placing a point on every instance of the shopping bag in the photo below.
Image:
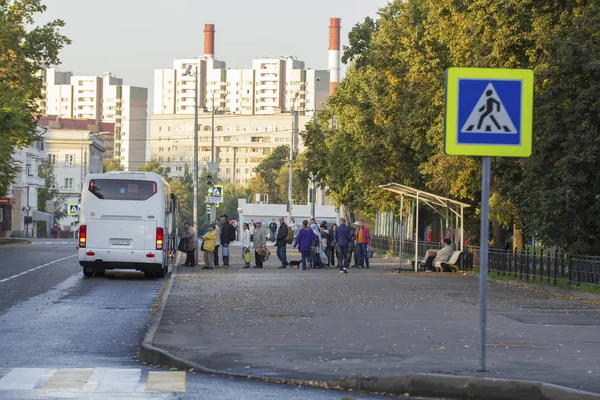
324	258
247	255
225	250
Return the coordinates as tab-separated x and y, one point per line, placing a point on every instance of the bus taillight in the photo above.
82	236
159	238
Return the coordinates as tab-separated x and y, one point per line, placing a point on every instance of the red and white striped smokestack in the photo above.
334	53
209	40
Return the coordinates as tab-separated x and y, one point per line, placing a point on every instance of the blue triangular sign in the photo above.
216	192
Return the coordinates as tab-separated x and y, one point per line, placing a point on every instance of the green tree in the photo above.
359	40
385	121
153	166
24	49
49	192
268	170
183	189
112	164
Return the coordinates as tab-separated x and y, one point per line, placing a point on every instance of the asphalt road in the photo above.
66	336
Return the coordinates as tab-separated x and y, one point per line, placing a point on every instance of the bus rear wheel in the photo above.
87	272
148	274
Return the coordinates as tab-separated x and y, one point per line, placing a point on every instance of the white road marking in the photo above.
25	378
36	268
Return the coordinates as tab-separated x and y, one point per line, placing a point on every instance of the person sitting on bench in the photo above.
442	256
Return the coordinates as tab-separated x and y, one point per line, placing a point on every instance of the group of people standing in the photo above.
216	237
341	241
320	246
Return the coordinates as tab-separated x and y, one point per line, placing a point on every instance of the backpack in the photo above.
289	239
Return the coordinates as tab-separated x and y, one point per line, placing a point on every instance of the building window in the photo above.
219	128
160	128
207	128
29	170
52	158
68	183
69	160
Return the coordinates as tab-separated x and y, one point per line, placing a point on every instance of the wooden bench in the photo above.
451	265
423	260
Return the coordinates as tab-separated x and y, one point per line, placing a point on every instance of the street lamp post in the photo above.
213	207
188	72
291	161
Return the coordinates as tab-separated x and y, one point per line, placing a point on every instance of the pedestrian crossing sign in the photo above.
72	209
489	112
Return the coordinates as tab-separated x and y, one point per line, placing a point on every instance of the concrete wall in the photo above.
266	212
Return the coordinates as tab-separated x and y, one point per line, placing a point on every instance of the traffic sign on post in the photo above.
73	209
489	112
216	195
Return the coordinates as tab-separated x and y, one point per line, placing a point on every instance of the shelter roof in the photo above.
427	197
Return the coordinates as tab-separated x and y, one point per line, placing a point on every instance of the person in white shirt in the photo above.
245	241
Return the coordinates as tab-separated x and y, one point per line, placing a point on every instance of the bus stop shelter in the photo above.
434	201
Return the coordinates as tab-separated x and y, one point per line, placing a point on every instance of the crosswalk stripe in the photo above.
114	380
167	381
25	378
91	380
68	379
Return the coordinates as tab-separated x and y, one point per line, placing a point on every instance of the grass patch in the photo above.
560	283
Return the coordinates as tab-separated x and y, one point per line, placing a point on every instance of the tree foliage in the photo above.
49	192
153	166
24	49
385	122
112	164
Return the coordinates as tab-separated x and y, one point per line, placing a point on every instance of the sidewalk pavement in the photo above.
323	325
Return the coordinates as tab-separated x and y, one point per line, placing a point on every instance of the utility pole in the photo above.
313	189
188	73
291	160
213	207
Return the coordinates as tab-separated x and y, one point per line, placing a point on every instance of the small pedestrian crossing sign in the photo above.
72	209
215	196
488	112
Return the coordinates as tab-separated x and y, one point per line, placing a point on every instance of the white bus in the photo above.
127	220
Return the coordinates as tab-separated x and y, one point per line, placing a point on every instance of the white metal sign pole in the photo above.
401	233
483	254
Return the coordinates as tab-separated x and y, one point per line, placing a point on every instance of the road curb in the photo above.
16	245
418	384
464	387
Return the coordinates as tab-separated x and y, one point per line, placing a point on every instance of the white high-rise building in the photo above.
102	99
252	110
269	87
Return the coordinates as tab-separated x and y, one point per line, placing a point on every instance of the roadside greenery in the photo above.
384	123
24	49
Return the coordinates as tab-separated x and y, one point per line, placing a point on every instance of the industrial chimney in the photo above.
334	53
209	40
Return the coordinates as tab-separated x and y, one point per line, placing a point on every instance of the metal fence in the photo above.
539	266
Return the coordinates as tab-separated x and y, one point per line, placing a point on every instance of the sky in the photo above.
132	38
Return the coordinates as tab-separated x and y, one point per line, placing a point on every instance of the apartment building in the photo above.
241	142
18	210
74	153
101	99
272	85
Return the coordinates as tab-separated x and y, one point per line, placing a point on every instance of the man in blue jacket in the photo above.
342	237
